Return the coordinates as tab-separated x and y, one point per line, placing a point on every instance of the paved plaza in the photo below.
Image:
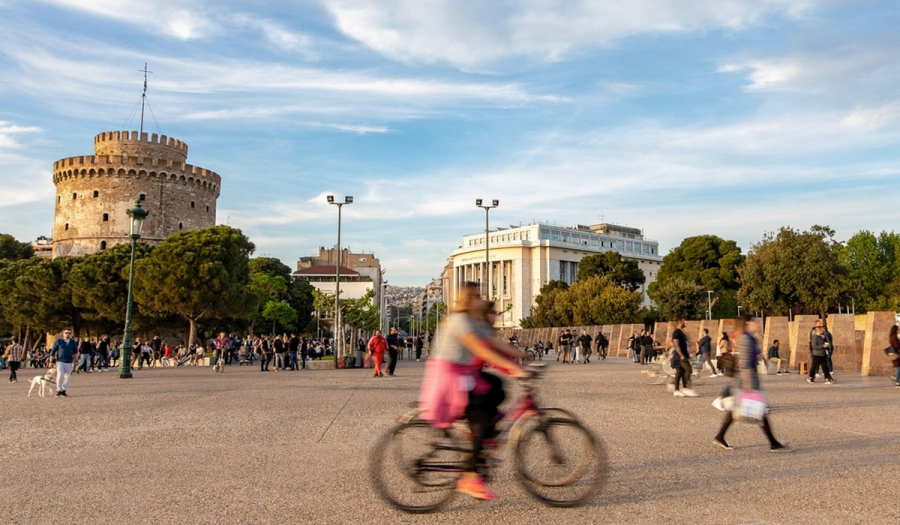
187	445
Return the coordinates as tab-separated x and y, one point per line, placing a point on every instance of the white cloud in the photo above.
184	20
473	34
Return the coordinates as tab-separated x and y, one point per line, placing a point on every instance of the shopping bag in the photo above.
750	407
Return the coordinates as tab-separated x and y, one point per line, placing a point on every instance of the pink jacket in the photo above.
445	391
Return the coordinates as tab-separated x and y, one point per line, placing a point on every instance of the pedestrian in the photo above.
584	346
647	351
84	356
704	348
103	352
895	345
304	351
13	355
681	361
419	344
748	381
146	355
722	348
279	345
565	346
63	352
409	346
633	342
774	357
819	351
156	347
829	348
395	348
377	347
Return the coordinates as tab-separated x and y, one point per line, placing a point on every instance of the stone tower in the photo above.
93	192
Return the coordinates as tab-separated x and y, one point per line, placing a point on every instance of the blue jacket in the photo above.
64	352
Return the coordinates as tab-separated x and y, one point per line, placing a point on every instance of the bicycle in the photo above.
415	466
660	371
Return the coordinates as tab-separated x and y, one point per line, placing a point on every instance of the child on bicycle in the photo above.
454	384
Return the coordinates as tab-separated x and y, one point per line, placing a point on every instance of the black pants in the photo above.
817	361
144	357
482	415
683	373
13	366
418	353
303	357
765	427
263	362
392	362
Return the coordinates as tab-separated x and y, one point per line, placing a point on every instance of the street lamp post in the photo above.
739	310
338	329
137	216
487	241
381	325
709	305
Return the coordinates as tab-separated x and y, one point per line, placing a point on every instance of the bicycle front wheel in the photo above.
415	467
652	374
560	462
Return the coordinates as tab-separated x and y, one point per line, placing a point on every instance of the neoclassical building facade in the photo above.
525	258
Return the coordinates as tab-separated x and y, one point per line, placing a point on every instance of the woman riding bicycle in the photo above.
454	384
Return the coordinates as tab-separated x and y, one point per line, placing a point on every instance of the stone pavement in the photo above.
189	446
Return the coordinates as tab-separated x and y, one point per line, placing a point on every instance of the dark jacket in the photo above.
64	351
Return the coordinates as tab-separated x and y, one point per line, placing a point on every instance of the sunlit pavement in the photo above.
187	445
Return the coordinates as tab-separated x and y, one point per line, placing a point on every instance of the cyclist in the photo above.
454	384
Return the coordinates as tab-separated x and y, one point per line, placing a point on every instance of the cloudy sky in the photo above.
729	117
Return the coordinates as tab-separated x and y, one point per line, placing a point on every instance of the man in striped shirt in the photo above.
13	358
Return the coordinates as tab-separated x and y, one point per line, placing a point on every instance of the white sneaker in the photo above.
717	404
713	375
689	392
679	393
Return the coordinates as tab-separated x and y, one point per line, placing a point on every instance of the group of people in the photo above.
392	345
574	348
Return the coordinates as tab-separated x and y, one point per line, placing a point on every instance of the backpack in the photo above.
728	364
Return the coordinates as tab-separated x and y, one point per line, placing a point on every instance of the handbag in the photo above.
750	407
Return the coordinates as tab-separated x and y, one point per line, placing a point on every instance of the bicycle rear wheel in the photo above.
560	462
652	374
415	467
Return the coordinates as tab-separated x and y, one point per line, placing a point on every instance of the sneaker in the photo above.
897	385
713	375
679	393
64	394
59	394
780	447
717	404
810	380
829	381
722	443
689	392
476	488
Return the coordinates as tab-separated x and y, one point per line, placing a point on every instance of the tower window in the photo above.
207	208
58	199
142	197
74	196
192	204
180	225
96	194
67	226
105	217
102	245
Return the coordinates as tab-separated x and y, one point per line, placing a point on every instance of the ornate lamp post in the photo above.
487	243
338	329
137	216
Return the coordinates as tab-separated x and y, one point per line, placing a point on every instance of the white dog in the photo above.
43	381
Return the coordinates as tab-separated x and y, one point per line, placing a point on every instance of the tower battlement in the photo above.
130	143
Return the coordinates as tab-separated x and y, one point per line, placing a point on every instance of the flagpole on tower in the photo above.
144	97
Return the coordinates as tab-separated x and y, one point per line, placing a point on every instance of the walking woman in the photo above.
895	344
748	381
724	347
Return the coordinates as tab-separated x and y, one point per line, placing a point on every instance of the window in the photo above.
74	196
96	194
58	199
545	235
192	204
142	197
180	225
67	226
554	235
102	245
105	217
207	208
629	246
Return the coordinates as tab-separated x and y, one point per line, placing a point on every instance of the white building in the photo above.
525	258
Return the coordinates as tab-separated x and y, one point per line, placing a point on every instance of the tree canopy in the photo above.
678	298
794	271
593	300
705	260
873	264
197	274
13	250
623	272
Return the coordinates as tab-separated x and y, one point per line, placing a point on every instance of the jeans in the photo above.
828	362
293	359
84	362
63	373
897	375
280	361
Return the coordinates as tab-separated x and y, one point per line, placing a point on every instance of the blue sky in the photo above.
727	117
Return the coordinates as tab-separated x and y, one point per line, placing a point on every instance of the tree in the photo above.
197	274
872	263
597	300
624	273
794	271
13	250
99	284
543	312
706	260
678	298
